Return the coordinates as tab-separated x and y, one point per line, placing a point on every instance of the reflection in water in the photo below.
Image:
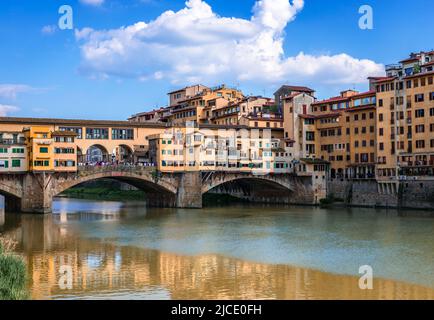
2	211
2	218
107	253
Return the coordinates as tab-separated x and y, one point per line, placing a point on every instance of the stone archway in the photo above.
97	153
124	154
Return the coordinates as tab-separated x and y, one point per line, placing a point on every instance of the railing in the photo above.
114	167
12	141
393	67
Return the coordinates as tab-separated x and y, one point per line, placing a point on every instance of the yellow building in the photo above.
40	148
211	148
339	130
236	112
199	107
65	151
405	103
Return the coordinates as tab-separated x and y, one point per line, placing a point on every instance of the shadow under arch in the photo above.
258	190
156	194
12	202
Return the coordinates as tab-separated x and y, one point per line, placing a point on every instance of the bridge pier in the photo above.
37	193
189	193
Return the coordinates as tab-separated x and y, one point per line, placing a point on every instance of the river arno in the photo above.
123	250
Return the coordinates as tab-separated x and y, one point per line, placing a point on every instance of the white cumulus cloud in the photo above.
195	44
6	109
10	91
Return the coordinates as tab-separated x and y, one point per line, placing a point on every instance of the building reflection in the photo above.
100	267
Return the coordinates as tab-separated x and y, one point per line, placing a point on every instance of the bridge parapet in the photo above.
85	170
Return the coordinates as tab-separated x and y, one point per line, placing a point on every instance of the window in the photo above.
3	150
78	131
419	97
381	146
381	132
63	163
420	144
431	96
310	136
17	150
420	128
380	117
38	163
122	134
43	150
97	133
380	102
64	150
420	113
4	164
16	163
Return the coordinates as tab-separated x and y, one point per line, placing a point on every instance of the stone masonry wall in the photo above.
417	194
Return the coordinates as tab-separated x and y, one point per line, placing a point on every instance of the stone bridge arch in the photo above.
217	180
160	191
12	191
276	188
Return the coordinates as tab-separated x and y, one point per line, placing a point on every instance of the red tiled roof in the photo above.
384	79
333	99
367	93
297	88
410	60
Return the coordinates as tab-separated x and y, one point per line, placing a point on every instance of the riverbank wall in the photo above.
412	194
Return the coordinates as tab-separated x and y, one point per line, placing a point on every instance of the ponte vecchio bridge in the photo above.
33	190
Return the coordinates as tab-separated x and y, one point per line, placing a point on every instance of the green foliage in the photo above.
13	276
104	193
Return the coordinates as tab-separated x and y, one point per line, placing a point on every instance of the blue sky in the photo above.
101	71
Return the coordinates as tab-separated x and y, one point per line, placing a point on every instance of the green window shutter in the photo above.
43	150
16	163
46	163
6	164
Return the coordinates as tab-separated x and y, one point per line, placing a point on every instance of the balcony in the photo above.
12	141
